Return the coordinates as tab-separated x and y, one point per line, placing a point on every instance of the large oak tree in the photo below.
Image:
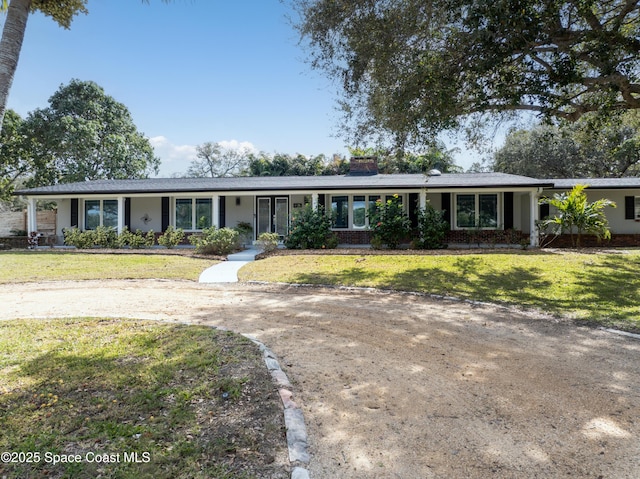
85	134
412	68
15	158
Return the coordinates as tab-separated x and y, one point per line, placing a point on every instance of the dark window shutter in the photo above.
165	213
414	204
508	210
544	211
321	200
446	207
222	212
127	212
629	208
74	213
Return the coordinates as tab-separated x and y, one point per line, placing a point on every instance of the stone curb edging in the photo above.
621	333
293	419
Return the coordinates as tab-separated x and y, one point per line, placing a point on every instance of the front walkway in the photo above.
227	271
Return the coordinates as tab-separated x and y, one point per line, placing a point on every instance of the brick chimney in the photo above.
363	165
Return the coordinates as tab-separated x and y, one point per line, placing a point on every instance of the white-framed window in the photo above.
353	211
637	207
100	213
359	210
477	210
192	214
340	211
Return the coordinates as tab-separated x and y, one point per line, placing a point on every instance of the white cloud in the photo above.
238	145
175	159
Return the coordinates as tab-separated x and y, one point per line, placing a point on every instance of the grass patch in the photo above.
598	287
25	266
185	401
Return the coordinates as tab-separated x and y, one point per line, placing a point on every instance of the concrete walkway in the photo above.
227	271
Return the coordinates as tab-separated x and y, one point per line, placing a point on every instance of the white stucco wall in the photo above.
237	213
298	202
64	216
152	208
617	222
435	199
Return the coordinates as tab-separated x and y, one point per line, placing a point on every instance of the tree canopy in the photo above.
578	150
282	164
412	68
85	134
15	161
435	156
213	160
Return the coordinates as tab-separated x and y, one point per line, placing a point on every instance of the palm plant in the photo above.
575	213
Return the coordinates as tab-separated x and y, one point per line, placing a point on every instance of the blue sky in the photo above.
190	72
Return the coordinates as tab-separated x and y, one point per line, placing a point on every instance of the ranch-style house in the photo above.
506	206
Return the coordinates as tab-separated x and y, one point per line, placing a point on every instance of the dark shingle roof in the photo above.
604	183
295	183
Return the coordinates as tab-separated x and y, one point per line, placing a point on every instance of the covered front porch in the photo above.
491	215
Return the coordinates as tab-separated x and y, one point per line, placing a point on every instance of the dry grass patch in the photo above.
185	401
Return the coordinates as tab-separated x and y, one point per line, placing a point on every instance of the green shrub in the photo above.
171	238
105	237
136	240
389	223
311	229
432	229
102	237
79	239
267	241
376	242
245	232
216	241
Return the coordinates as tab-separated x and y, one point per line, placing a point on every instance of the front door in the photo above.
273	215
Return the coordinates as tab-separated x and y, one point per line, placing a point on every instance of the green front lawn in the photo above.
597	287
134	399
16	267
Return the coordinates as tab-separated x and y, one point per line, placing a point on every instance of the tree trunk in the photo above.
10	45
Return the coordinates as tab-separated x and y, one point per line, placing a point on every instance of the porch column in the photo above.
32	216
120	227
314	201
216	211
423	199
534	197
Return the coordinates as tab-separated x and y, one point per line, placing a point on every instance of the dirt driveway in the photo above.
400	386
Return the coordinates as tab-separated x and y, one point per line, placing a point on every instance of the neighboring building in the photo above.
500	202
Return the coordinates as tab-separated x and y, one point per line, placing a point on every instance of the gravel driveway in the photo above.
401	386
